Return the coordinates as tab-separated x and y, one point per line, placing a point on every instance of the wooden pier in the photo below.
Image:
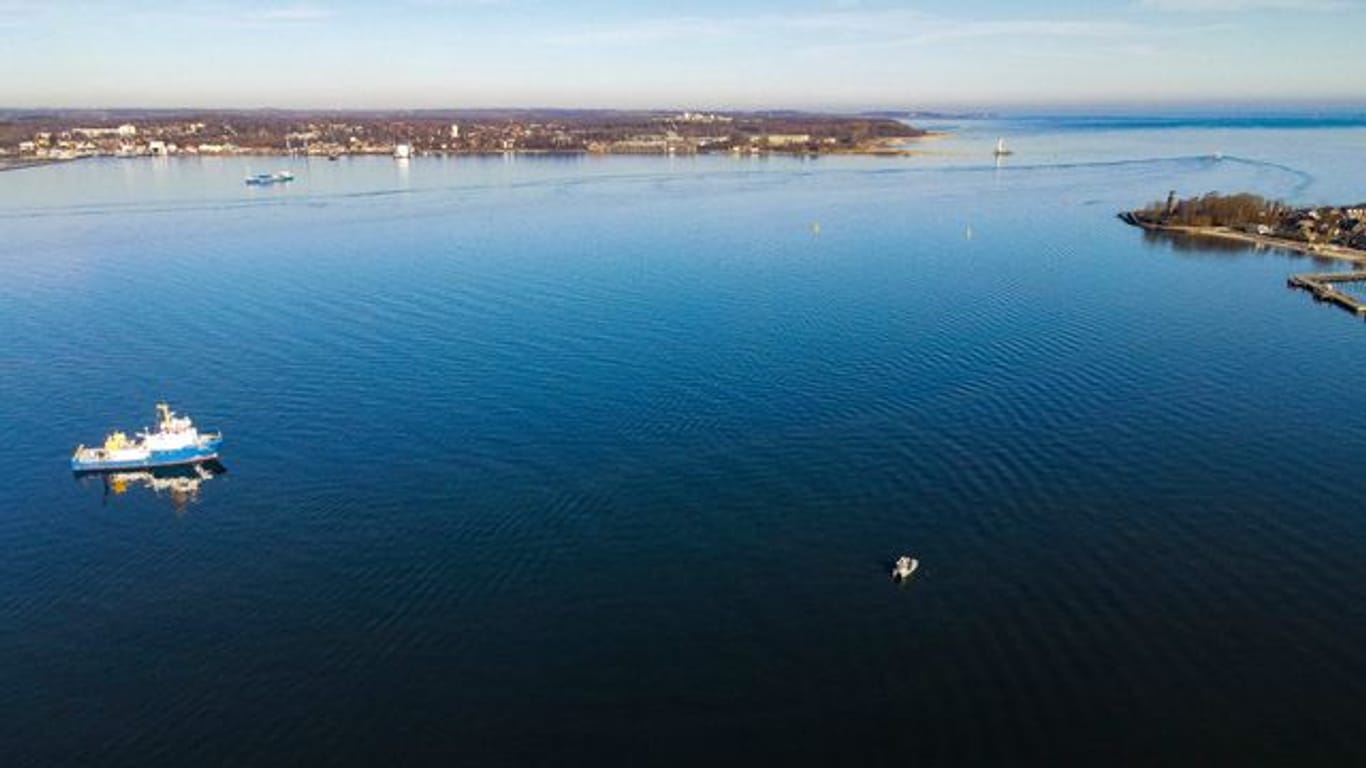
1323	286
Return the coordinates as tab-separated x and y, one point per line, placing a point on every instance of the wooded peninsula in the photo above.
1335	231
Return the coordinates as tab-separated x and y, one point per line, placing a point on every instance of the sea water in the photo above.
607	459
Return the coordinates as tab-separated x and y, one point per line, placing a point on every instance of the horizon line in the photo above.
954	107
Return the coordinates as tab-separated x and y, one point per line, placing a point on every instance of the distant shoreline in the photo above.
20	165
880	147
659	132
891	146
1324	250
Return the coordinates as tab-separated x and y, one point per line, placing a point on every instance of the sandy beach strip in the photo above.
1327	251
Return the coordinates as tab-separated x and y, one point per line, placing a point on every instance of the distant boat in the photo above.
264	179
403	151
905	566
1001	148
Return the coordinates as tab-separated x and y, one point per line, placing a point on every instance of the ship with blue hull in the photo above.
176	442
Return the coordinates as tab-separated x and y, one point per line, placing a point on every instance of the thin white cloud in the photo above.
1083	39
1027	29
833	29
216	14
13	14
645	32
457	4
1232	6
711	28
845	21
288	14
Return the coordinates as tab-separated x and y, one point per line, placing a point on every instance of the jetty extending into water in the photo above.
1324	287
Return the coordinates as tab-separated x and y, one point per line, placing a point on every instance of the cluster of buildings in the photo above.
123	140
60	137
1344	226
707	118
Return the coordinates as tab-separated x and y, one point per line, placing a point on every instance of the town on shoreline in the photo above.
41	136
1331	231
1328	232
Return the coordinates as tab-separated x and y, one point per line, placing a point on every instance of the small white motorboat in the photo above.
905	566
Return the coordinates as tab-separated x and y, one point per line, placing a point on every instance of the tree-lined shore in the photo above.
1338	231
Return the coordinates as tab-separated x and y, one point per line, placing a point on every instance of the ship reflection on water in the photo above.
179	484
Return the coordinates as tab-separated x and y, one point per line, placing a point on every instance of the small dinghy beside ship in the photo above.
176	442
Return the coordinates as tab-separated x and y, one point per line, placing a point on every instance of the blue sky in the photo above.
707	54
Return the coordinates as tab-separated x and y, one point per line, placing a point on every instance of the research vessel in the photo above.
175	442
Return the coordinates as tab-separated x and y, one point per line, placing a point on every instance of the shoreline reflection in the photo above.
1194	244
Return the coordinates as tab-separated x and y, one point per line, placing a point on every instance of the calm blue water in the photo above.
546	460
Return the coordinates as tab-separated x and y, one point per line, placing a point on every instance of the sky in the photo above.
708	54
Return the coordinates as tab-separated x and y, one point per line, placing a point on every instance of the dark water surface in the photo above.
606	460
